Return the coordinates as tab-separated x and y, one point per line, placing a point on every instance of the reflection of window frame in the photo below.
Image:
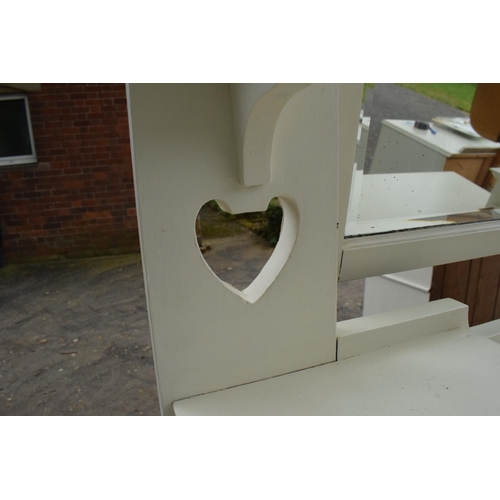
21	159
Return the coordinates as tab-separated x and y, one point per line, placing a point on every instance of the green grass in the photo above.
457	95
367	86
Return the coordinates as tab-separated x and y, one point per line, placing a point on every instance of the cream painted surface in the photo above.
490	330
206	337
271	349
391	292
362	142
360	335
419	361
419	279
374	255
256	108
350	108
447	373
243	98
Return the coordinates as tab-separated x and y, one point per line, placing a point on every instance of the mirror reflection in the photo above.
419	162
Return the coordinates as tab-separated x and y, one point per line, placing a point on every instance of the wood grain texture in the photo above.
456	280
437	282
487	293
475	283
474	167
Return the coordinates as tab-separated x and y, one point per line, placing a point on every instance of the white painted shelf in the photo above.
450	372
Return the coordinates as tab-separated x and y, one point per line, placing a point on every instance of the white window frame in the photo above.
6	161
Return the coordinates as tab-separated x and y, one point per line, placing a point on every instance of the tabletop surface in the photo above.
449	373
444	140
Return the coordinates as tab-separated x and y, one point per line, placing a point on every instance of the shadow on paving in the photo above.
75	339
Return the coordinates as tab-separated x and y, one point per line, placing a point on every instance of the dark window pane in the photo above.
14	129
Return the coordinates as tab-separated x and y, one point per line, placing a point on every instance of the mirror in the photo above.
419	162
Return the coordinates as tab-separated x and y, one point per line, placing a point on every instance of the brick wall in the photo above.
78	200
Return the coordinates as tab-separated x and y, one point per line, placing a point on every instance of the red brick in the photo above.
82	140
73	184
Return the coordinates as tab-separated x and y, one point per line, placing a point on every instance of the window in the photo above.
16	136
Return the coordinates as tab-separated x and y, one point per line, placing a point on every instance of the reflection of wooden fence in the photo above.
474	167
473	282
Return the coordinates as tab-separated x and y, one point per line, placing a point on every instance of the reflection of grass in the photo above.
216	223
216	229
457	95
367	86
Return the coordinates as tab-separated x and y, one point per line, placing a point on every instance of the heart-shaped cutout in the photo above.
245	263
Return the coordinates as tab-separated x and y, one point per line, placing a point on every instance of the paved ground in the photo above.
75	337
236	255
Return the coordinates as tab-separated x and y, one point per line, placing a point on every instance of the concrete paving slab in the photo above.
75	339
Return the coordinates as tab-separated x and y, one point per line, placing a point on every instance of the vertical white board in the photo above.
206	335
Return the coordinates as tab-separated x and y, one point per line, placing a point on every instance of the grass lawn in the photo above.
367	86
457	95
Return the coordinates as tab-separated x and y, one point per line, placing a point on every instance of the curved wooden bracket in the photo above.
256	108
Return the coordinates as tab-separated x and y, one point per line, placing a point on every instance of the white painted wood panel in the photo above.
360	335
451	372
394	291
206	335
350	107
272	349
374	255
490	330
256	108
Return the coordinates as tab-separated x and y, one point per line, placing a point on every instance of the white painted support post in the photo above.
207	335
350	107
